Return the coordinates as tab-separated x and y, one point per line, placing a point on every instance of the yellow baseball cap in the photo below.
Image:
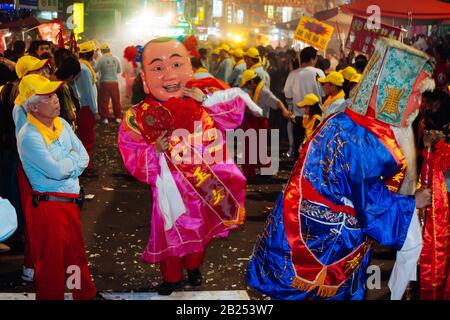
252	53
334	77
355	78
216	51
310	100
247	75
35	84
29	63
225	47
104	46
87	46
238	52
348	73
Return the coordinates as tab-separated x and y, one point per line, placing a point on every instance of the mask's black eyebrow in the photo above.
154	60
175	55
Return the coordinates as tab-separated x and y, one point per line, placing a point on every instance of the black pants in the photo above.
299	135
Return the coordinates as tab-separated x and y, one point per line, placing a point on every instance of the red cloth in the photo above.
25	198
85	129
434	258
57	244
109	91
430	9
172	267
252	122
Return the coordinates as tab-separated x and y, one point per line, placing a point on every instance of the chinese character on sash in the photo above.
200	176
217	196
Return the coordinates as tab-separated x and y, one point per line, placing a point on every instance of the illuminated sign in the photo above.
217	8
240	16
270	12
78	17
201	13
230	14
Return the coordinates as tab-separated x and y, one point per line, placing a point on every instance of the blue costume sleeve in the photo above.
346	164
384	215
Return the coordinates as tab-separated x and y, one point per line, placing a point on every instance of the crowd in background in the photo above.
296	91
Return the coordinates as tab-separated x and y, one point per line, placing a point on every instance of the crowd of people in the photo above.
51	93
51	99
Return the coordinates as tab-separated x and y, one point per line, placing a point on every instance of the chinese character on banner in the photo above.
49	31
313	32
362	39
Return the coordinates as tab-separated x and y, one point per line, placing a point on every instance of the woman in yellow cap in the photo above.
333	88
253	60
313	115
236	75
348	73
226	65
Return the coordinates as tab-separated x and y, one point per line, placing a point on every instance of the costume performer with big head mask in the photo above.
197	200
354	183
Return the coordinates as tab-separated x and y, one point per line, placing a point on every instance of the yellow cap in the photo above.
225	47
310	100
252	53
334	77
247	75
27	64
216	51
87	46
355	78
238	52
104	46
35	84
348	73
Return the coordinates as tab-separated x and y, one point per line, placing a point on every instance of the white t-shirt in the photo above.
301	82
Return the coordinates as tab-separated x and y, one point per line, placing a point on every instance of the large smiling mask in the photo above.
166	68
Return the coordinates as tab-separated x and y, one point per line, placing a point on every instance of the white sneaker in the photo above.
118	120
27	274
105	121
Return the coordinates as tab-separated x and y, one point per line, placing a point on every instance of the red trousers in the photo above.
252	122
57	243
25	198
109	90
85	129
172	267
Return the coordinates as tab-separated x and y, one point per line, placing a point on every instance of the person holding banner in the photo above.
198	192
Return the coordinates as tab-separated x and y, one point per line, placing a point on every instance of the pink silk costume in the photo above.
194	229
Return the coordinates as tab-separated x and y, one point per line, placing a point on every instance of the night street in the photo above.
115	227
